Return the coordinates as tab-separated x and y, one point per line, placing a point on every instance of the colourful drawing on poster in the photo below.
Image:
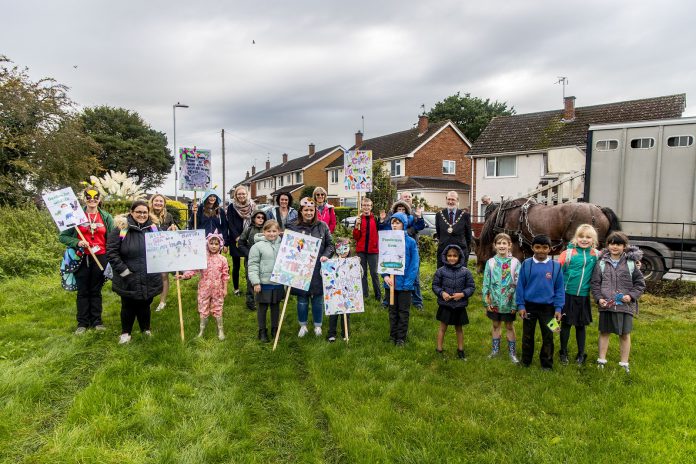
296	258
194	164
357	170
65	209
392	252
176	250
341	278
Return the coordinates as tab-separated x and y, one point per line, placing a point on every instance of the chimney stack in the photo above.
358	139
285	158
268	164
247	175
311	149
253	170
422	124
569	108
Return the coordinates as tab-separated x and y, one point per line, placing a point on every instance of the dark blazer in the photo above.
461	232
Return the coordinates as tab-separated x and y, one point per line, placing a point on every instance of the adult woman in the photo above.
125	250
164	221
325	211
308	224
88	277
210	216
238	218
284	213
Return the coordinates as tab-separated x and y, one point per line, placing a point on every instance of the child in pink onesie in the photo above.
212	288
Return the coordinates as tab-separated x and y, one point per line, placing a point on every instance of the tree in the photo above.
42	146
383	190
307	191
470	114
129	145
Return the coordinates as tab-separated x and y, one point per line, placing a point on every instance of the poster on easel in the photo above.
357	171
194	164
342	280
176	250
65	209
392	252
297	256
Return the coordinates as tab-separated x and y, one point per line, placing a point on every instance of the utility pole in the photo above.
224	190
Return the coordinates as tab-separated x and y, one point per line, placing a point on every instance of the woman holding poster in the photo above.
238	218
309	224
125	250
88	277
164	220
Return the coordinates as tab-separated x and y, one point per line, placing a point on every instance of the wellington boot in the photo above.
221	334
204	322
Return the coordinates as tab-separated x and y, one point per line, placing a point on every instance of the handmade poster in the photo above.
392	252
176	250
65	209
296	258
194	164
357	170
341	278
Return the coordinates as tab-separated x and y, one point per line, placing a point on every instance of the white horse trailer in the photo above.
646	172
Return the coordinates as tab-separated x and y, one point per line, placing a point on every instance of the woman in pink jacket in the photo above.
325	210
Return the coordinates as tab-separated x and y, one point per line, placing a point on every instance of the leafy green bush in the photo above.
427	248
29	240
343	212
671	288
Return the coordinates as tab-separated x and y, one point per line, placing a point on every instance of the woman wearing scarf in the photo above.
238	218
325	210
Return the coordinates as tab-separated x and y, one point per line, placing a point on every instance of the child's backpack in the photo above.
555	269
631	265
492	263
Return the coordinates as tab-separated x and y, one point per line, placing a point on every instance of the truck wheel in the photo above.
652	265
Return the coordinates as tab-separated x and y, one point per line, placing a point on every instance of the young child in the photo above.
212	288
539	297
342	251
577	263
453	284
244	244
403	285
617	284
499	282
262	257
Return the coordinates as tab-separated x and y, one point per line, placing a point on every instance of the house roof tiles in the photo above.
296	164
435	183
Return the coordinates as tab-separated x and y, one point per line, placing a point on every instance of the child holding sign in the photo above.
262	257
399	312
212	288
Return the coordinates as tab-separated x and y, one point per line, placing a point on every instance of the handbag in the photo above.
72	258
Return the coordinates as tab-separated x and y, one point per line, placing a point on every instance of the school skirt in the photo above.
452	316
616	323
577	310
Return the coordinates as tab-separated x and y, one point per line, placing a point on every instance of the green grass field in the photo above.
86	399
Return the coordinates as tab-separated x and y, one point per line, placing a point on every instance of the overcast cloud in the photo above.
318	66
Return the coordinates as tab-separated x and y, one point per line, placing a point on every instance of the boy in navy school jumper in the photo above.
540	296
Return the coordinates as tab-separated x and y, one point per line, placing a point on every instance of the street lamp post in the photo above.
176	155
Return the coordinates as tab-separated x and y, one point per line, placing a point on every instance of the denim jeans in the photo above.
317	309
417	297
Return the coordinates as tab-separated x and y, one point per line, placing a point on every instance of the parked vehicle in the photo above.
645	171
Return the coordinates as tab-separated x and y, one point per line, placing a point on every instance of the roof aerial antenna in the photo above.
363	124
564	81
422	108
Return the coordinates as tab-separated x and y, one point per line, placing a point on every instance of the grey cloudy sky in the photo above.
318	66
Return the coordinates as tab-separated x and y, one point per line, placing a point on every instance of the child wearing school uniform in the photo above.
399	312
262	258
499	283
453	284
617	284
539	297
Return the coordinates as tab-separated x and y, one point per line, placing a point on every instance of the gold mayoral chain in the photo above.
450	229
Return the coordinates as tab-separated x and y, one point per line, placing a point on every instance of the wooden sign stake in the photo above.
282	316
181	313
79	232
345	325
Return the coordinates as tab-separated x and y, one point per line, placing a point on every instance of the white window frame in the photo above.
298	177
606	145
393	165
495	176
449	167
279	180
334	176
650	140
689	138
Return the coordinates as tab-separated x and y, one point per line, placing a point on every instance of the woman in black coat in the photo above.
239	214
125	250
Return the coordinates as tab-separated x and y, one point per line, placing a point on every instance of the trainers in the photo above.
514	359
80	330
460	354
493	354
147	333
317	331
564	359
100	327
237	292
303	331
580	359
161	306
601	363
419	307
400	343
332	339
625	367
124	338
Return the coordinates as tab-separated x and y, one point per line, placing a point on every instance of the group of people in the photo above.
539	289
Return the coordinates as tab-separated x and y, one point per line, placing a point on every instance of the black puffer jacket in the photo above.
453	279
128	254
320	230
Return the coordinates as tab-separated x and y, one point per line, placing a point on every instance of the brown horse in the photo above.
523	219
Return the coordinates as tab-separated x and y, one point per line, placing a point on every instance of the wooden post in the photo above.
195	215
345	325
82	237
391	290
181	313
282	316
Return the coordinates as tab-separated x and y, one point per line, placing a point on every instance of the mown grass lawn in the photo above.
85	399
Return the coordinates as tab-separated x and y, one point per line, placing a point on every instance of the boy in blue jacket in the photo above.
539	297
399	312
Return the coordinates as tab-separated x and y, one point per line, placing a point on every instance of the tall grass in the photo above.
67	399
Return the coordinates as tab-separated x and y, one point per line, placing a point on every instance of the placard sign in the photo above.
342	286
357	170
176	250
195	169
392	252
296	258
65	209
